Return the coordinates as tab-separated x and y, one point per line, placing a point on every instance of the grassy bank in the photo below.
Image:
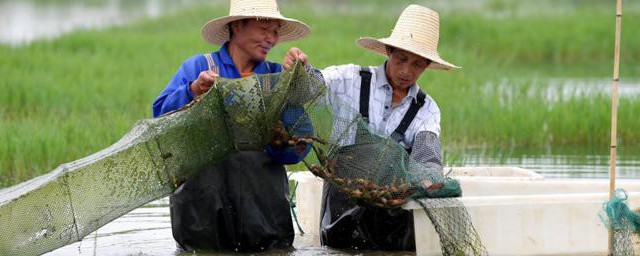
69	97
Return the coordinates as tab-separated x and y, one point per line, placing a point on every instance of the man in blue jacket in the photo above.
240	204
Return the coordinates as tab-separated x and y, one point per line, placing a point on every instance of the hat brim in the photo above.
216	31
379	46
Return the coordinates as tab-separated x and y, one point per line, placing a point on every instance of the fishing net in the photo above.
617	216
157	155
148	163
373	169
451	220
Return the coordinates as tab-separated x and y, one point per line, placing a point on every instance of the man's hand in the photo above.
293	55
203	83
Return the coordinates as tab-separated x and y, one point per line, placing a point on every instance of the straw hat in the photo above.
216	31
416	31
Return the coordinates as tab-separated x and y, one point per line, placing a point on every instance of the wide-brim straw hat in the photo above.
417	31
216	31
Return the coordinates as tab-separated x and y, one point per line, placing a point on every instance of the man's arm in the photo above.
427	151
177	93
173	97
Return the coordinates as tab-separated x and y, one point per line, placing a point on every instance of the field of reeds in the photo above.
69	97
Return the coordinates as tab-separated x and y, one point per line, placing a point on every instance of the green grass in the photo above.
70	97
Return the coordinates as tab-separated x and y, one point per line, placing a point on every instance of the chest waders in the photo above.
240	204
346	224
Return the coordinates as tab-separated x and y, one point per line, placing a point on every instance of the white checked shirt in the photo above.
344	83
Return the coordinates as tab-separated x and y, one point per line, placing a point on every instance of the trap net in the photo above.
157	155
371	168
624	222
148	163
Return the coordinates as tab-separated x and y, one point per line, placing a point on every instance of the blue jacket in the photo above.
177	94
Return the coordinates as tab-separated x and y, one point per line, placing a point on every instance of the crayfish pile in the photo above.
360	189
364	190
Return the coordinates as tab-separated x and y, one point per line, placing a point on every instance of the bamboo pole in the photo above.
614	114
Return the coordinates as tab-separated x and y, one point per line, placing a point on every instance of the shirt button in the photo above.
386	107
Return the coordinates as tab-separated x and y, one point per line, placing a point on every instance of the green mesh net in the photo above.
158	154
372	168
623	221
451	220
377	170
148	163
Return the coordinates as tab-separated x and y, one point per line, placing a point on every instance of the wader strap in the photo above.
365	87
398	134
210	63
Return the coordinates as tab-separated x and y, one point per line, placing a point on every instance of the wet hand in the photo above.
203	83
292	56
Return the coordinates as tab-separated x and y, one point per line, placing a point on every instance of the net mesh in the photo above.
372	168
157	155
624	222
148	163
451	220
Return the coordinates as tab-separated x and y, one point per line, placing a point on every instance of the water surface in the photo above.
147	230
24	21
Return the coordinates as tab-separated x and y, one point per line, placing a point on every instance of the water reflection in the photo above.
147	231
559	162
24	21
144	231
562	89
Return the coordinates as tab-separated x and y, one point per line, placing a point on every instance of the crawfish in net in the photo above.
370	167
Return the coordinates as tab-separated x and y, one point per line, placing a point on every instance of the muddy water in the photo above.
147	231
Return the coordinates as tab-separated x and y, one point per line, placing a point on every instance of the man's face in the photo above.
255	37
404	68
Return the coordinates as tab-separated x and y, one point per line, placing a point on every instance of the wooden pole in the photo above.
614	113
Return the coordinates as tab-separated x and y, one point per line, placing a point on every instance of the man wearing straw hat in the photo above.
386	95
240	204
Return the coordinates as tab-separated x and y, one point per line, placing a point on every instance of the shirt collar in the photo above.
224	54
260	67
381	81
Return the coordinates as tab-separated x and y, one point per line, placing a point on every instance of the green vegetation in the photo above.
70	97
